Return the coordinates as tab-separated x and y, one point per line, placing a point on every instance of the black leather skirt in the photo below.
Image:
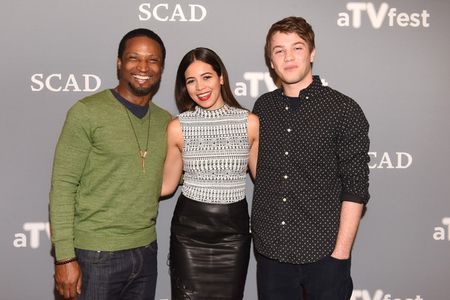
209	250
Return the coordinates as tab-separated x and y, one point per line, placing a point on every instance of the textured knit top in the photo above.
215	154
100	198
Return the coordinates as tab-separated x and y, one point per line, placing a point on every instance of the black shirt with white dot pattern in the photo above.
313	154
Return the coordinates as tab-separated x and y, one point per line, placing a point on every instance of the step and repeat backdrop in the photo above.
391	57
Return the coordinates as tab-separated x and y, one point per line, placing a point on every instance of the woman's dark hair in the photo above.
183	100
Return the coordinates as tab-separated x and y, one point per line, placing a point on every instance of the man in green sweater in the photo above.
106	181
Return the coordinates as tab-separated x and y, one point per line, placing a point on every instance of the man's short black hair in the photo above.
141	32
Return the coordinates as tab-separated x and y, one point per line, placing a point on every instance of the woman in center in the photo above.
213	141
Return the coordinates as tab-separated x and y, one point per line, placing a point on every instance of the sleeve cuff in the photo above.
64	252
353	198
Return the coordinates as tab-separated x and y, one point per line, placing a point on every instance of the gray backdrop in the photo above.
392	57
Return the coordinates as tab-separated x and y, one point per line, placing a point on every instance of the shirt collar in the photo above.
305	94
312	89
137	110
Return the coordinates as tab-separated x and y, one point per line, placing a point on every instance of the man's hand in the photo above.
348	226
68	279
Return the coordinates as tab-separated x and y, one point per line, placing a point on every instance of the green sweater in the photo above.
100	198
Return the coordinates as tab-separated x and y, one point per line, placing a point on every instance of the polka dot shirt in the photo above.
313	154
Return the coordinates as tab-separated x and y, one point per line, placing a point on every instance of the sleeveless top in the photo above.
215	154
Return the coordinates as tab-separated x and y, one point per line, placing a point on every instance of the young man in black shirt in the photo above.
312	175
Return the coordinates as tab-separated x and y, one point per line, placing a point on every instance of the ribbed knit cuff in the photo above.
64	251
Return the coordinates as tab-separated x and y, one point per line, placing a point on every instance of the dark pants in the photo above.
118	275
326	279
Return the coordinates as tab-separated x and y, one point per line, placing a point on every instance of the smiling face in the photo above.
291	58
139	69
203	85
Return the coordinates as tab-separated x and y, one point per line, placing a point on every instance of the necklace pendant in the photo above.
143	154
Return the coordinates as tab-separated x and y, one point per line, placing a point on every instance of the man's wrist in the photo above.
65	261
340	254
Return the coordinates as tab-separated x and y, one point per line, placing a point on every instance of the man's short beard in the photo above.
141	92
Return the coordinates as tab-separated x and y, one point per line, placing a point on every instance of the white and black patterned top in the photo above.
313	154
215	154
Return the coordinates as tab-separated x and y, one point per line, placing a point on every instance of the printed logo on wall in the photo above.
442	233
386	160
377	16
378	295
165	12
31	238
255	84
65	82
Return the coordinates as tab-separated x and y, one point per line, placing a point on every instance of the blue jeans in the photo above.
118	275
327	279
